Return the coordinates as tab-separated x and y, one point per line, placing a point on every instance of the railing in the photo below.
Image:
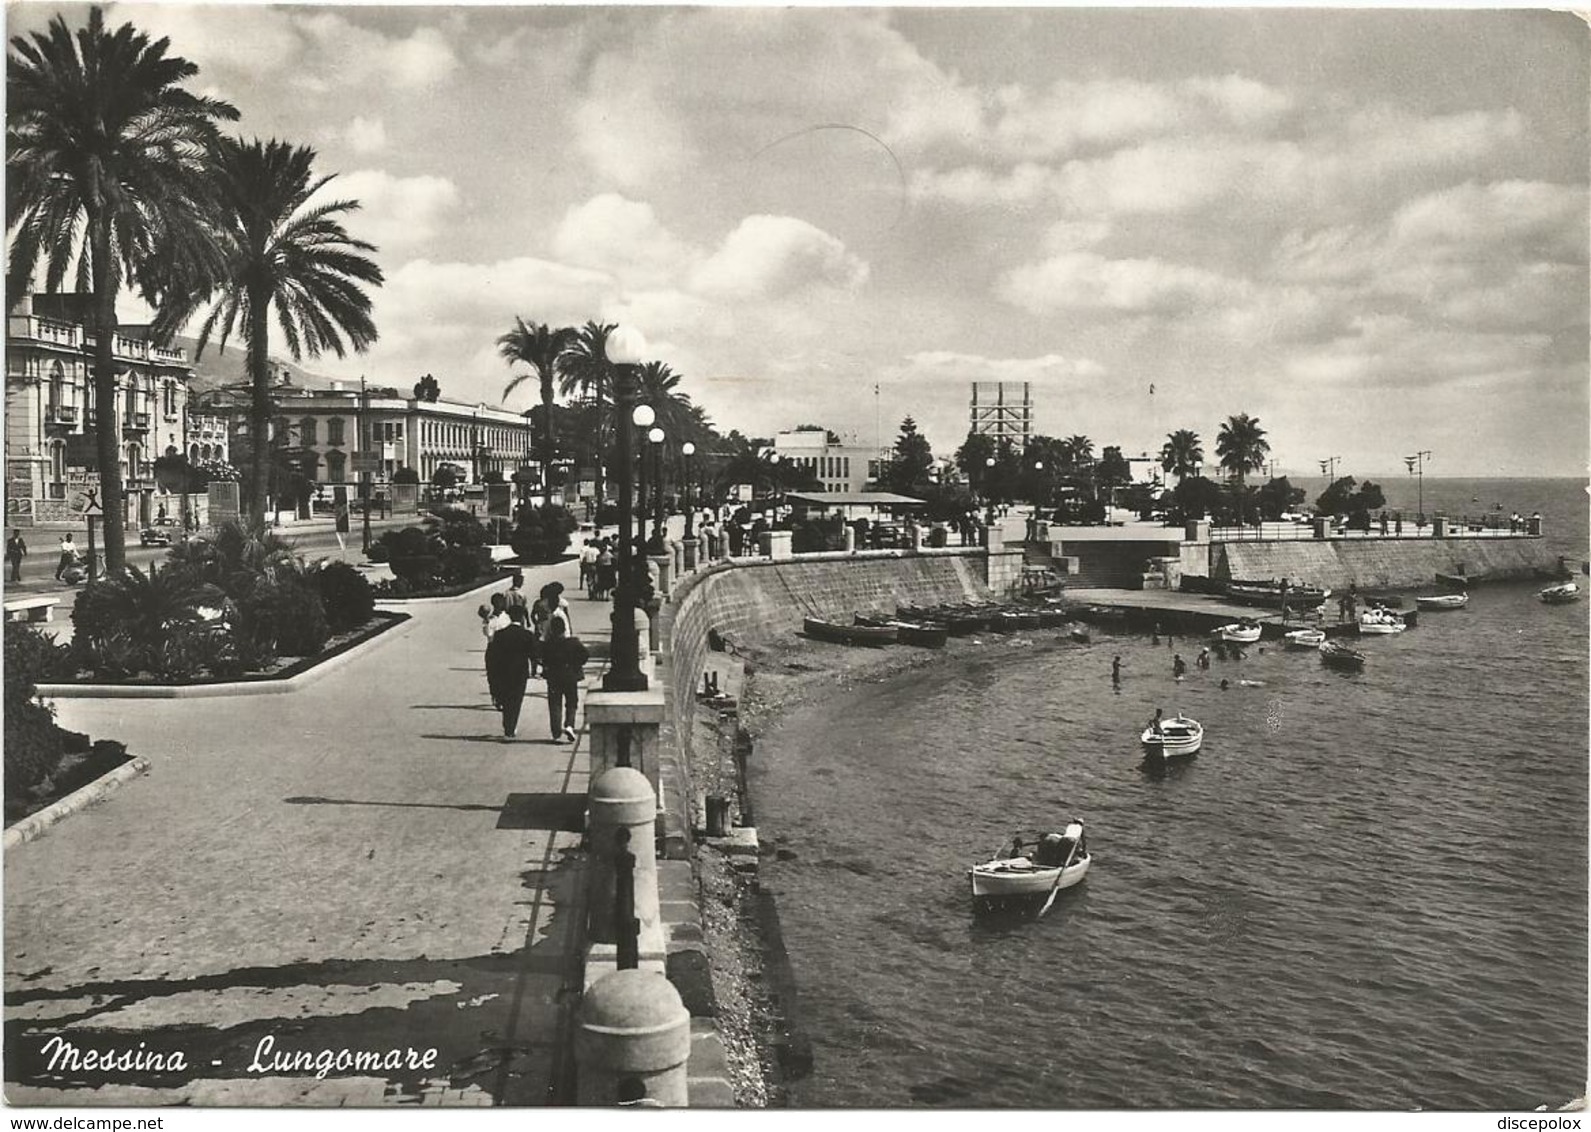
1488	525
138	421
60	414
45	330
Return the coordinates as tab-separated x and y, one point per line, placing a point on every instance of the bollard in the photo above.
634	1042
621	799
688	555
626	927
850	540
678	551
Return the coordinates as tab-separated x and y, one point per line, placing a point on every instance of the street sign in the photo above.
367	461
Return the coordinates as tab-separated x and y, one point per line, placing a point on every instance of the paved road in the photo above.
362	865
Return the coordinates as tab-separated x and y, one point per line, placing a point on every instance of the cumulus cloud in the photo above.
768	256
396	213
1088	281
612	233
346	53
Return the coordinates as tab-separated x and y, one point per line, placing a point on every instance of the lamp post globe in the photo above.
643	416
625	350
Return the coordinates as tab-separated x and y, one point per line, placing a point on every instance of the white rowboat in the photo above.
1442	601
1239	632
1174	738
1304	639
1057	861
1561	594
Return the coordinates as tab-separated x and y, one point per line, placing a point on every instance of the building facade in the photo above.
51	422
838	467
327	428
1003	411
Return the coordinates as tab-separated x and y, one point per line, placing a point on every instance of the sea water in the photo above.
1368	891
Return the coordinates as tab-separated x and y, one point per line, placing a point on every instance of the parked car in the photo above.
150	536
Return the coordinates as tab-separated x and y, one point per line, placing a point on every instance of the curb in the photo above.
36	824
234	688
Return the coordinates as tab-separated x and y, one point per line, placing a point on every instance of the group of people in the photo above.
523	637
599	571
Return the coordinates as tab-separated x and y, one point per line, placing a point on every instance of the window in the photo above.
170	392
307	431
334	435
58	465
57	387
334	465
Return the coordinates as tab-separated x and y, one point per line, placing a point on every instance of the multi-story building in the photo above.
51	421
837	466
1003	410
327	427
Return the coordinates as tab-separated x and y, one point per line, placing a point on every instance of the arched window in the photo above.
193	453
57	388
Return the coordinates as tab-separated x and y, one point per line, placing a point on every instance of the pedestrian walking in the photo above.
68	556
508	657
563	664
1115	670
1179	667
1202	661
16	551
588	566
514	598
606	571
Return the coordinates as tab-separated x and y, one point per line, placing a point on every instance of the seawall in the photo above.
1373	563
761	601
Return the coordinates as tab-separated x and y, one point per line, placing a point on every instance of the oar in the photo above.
1056	887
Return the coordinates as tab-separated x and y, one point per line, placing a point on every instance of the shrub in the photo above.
607	515
283	616
345	596
460	528
459	564
543	533
405	475
818	534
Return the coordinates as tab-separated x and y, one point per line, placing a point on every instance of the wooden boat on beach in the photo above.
919	633
1018	876
1270	594
873	636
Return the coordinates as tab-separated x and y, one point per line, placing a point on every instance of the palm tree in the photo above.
586	372
541	348
1182	454
1078	450
275	248
105	160
1242	448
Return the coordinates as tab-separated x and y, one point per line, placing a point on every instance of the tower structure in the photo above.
1003	410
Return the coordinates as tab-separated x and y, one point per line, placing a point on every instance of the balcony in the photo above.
60	415
136	422
45	330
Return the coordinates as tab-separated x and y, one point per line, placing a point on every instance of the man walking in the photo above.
68	556
563	662
16	551
508	668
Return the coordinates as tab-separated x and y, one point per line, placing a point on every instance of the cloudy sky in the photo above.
1366	228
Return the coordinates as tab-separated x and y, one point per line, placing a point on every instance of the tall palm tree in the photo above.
541	348
1242	448
586	372
1078	450
105	159
277	249
1182	454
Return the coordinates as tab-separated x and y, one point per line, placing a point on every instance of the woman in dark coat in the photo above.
508	657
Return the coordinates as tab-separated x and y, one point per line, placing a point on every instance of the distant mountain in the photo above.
218	368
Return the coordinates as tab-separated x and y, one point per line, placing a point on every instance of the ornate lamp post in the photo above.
688	498
642	419
988	490
657	543
624	350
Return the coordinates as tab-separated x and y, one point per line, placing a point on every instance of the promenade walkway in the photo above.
360	865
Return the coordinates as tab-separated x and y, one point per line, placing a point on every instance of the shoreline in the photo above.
753	981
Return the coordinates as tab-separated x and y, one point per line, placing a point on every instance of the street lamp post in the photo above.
364	455
1416	466
624	349
642	419
688	498
988	490
1328	468
657	544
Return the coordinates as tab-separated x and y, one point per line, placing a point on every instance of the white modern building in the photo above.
839	467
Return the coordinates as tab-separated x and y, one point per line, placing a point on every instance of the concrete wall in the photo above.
760	601
1375	563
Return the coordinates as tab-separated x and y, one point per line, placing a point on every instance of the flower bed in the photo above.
397	589
73	770
280	668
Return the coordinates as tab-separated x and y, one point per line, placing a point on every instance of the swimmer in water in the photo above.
1225	685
